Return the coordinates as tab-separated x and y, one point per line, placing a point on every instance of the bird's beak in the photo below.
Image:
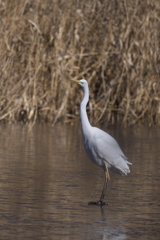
77	81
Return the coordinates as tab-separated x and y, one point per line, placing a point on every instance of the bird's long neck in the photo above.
86	127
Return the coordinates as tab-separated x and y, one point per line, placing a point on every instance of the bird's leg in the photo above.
107	178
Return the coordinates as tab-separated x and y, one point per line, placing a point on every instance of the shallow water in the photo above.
46	182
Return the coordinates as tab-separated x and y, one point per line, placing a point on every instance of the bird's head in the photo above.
81	82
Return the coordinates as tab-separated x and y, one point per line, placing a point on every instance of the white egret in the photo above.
101	148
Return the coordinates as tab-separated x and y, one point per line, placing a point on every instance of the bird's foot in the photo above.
100	203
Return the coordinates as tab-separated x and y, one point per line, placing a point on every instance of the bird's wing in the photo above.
108	141
108	149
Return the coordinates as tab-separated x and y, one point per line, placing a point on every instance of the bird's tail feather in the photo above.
121	169
129	163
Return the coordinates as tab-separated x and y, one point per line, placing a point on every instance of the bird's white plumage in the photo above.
101	148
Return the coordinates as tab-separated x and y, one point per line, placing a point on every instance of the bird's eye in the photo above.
81	82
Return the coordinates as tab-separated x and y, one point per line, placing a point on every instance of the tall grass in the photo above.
115	45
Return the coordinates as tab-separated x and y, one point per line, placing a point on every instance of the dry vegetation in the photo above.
114	44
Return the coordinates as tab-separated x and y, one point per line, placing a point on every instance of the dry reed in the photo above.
115	45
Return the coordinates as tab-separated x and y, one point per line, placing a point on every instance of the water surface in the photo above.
46	182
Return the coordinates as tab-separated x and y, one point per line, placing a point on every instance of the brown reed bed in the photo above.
115	45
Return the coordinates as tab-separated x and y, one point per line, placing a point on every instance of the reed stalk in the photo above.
115	45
